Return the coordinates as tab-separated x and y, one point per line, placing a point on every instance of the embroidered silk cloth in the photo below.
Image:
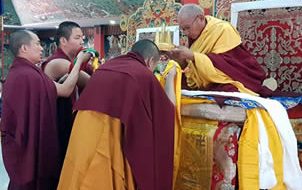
274	37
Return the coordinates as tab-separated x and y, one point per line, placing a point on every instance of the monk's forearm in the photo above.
185	62
169	88
72	79
67	87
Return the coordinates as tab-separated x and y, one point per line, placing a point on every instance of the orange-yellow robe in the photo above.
127	91
94	159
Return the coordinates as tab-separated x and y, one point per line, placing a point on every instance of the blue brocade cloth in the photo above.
287	102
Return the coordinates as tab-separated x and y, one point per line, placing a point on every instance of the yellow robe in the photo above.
177	130
185	130
200	74
217	37
94	159
248	160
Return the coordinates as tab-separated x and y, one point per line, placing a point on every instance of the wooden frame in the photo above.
152	31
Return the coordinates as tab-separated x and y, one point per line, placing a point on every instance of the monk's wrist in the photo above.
184	64
191	56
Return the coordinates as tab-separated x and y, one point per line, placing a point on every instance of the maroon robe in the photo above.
241	66
59	54
28	127
124	88
64	109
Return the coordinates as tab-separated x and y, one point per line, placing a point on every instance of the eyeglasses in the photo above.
188	26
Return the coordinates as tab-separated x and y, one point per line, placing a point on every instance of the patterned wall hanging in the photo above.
152	14
274	37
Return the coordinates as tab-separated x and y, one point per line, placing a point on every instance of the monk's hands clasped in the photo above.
181	54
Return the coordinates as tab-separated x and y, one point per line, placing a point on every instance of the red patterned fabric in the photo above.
295	112
225	152
274	37
297	126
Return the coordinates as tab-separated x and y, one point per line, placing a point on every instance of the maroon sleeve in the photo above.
241	66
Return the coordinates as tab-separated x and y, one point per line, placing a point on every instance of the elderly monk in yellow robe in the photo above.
216	59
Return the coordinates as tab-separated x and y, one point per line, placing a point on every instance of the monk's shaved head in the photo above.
19	38
149	51
191	20
190	10
146	48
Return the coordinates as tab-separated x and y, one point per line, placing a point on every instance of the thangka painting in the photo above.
152	14
88	37
222	8
274	37
208	6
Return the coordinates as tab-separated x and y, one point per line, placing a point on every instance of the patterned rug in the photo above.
274	37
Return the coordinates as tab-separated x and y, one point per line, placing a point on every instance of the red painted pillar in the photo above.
189	1
99	40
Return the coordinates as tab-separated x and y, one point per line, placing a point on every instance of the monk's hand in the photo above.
182	55
84	57
171	74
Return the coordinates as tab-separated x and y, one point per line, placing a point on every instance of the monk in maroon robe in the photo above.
29	135
69	39
123	91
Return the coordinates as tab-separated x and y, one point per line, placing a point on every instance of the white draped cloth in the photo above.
292	174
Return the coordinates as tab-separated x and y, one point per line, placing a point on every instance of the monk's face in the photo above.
151	63
191	26
74	42
33	50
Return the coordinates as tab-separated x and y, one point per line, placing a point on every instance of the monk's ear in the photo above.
151	63
147	61
23	48
63	40
200	16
